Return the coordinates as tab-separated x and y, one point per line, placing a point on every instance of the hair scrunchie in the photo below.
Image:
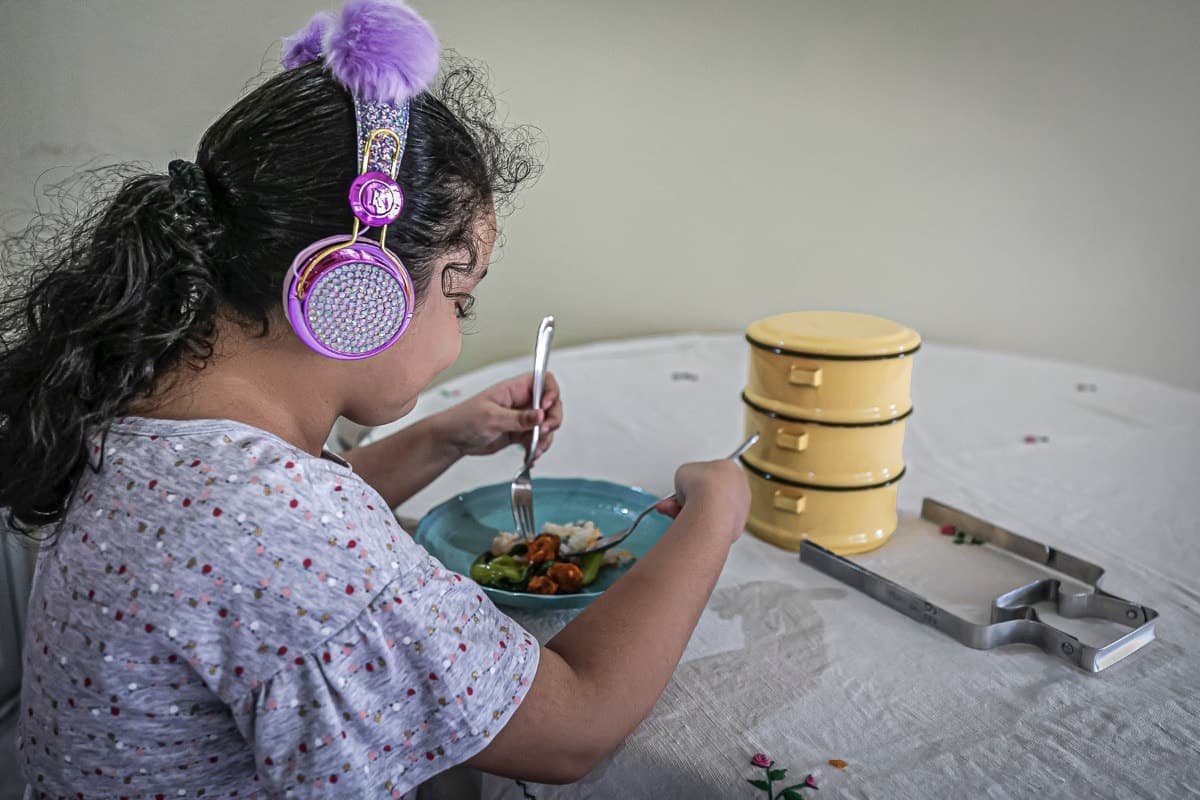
190	186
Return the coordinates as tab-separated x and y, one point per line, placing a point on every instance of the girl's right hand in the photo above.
603	673
719	485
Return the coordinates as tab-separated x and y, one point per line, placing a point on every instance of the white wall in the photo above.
1018	174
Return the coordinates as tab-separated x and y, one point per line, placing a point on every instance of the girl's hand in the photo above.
718	482
501	416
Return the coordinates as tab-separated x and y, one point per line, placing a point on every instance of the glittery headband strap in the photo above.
371	116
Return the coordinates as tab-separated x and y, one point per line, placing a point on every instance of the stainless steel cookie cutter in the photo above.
1014	619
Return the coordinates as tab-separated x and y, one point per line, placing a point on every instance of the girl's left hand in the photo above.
501	416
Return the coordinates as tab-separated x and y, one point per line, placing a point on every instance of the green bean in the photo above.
590	566
493	571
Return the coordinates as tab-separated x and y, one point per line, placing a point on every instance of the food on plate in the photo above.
503	542
567	577
540	584
542	548
575	536
548	563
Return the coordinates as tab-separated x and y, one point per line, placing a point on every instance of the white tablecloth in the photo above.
795	664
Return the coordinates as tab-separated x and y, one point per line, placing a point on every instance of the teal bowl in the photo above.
461	528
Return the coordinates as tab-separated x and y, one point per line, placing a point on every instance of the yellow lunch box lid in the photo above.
833	333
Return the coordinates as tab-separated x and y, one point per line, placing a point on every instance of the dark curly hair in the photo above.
104	297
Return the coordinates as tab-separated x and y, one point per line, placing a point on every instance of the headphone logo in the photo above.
376	199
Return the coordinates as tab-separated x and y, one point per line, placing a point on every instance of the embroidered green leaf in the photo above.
777	774
759	784
791	794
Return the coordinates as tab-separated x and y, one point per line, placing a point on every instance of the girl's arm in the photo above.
604	672
409	460
406	462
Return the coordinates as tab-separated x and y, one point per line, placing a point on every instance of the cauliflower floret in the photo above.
617	558
503	543
575	536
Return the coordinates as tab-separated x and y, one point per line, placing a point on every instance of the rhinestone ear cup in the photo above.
348	299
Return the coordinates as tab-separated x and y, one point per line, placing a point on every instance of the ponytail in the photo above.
92	313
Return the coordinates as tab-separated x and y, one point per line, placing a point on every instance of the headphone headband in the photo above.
349	297
375	152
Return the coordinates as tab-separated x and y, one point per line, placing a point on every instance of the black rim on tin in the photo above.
772	478
801	420
780	351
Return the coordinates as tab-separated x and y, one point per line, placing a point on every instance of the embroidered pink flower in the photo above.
810	782
761	760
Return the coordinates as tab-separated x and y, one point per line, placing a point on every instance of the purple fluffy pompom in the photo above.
305	44
381	50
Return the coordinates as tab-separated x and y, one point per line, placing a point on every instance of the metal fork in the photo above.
521	488
617	538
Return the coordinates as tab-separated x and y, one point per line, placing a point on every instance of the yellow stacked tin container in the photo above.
829	395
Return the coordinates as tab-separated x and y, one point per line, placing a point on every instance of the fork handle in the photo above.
742	448
642	514
541	358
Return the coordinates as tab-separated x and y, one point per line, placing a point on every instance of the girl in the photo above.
220	607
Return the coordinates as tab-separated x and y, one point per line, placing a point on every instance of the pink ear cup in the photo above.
356	301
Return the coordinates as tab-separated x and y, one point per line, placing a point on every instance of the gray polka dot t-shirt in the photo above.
223	615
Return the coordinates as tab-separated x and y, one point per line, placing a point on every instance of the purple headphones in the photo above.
348	296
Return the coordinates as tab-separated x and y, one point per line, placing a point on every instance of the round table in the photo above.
792	663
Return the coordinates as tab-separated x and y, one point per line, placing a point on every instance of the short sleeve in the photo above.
419	681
